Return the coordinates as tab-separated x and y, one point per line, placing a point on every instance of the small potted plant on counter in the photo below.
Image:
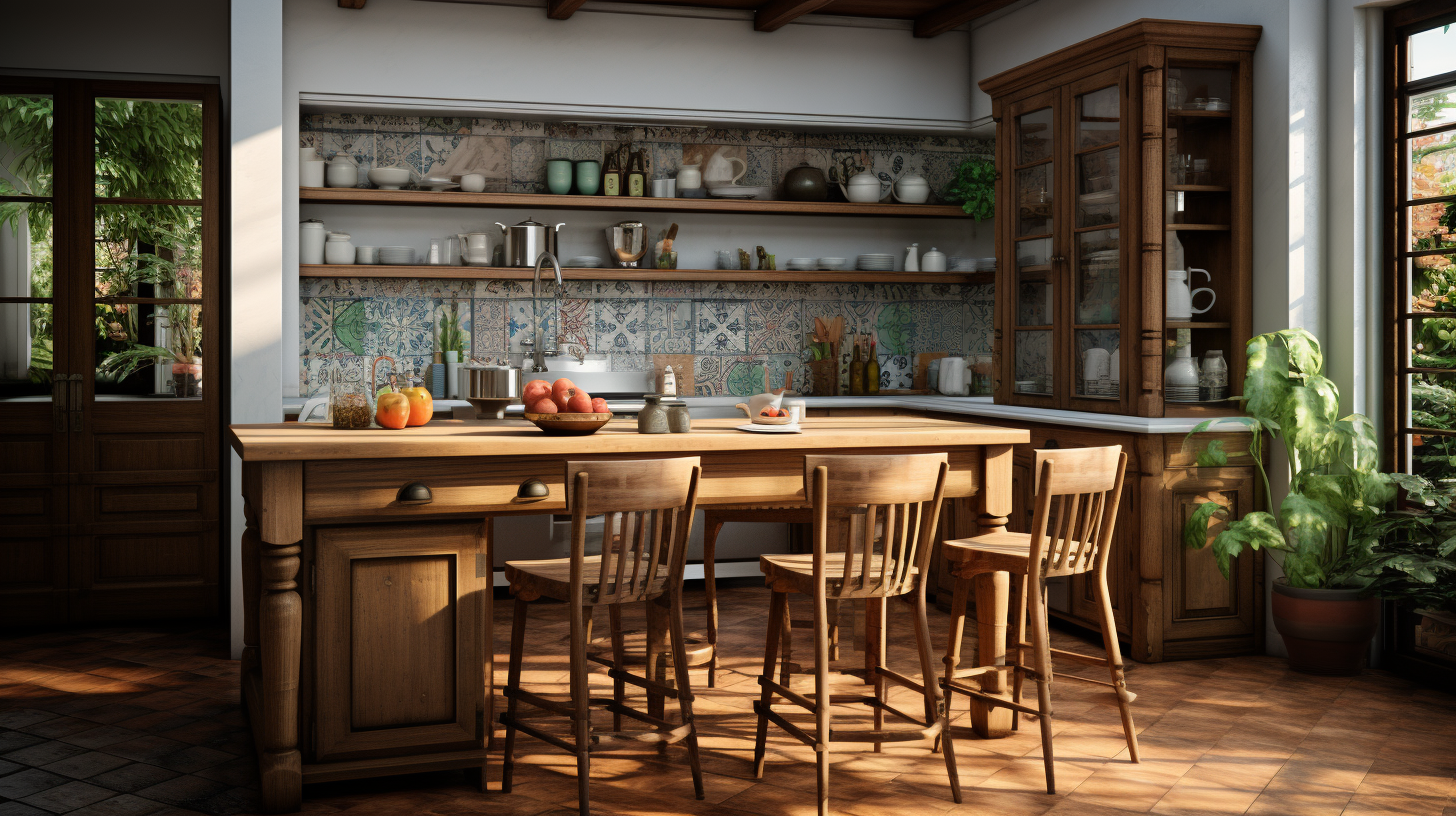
1335	534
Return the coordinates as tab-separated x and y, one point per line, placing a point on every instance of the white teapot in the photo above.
863	188
911	188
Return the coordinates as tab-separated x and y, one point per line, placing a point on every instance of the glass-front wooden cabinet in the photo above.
1124	220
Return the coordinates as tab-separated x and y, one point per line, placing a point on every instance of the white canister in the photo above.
472	183
452	378
342	172
933	261
308	154
311	235
689	177
953	376
366	255
1097	364
338	249
311	173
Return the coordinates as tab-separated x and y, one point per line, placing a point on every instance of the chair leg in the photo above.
619	660
934	711
1018	636
959	599
776	606
786	624
1041	643
711	527
833	630
581	704
822	694
875	620
1114	664
684	688
513	681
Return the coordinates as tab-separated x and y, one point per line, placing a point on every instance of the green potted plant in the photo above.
1332	531
974	188
176	273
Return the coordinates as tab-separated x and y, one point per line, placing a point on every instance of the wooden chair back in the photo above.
648	507
1077	494
882	506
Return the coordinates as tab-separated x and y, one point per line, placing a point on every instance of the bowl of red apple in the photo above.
562	409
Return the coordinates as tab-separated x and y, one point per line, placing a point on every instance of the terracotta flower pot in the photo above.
1327	631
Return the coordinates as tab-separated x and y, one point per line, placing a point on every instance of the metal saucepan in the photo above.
492	388
524	242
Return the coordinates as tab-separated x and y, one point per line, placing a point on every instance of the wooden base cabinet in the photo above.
395	655
1170	602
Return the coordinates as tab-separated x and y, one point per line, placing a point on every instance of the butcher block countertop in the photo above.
291	441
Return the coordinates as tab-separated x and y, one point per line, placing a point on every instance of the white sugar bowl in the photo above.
933	261
338	249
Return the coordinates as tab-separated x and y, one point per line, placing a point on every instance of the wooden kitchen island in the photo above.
368	647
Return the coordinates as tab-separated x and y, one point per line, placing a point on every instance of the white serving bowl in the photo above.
389	178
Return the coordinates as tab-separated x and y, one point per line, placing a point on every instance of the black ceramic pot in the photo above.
806	183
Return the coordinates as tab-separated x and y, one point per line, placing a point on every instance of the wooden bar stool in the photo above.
900	497
649	507
1085	485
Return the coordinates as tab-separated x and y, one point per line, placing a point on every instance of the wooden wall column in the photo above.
274	492
993	593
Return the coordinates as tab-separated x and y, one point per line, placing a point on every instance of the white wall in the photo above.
677	65
104	36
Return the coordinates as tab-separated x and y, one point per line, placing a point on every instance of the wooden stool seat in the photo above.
552	578
992	552
881	513
796	574
1077	495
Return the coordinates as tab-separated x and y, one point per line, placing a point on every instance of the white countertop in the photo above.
965	406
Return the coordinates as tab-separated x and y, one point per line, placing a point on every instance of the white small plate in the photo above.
771	429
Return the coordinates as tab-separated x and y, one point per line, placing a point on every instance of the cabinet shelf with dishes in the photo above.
438	272
1095	143
455	198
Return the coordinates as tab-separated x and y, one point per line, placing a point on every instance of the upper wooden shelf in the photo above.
359	195
1197	188
1201	114
428	271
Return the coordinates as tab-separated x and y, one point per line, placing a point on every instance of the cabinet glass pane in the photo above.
1034	252
1432	159
1034	298
148	284
27	146
1433	342
1432	109
1097	375
27	327
1033	362
1432	52
1431	226
1098	185
1433	405
148	149
1034	200
1098	277
1199	89
1098	118
1034	136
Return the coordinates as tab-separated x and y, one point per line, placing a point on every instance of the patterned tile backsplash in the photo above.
512	153
730	332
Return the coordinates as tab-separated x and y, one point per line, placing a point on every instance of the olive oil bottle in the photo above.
872	371
856	372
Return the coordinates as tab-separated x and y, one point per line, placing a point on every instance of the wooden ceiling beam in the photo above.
352	4
776	14
562	9
944	18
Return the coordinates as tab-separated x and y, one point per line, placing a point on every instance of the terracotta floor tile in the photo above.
68	797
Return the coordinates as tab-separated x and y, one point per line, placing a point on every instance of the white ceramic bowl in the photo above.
389	178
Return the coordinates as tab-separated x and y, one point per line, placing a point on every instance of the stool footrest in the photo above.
778	719
614	739
1121	690
784	692
1076	657
907	735
891	674
554	706
651	685
989	699
512	722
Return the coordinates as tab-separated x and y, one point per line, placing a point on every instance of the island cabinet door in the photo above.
1206	614
398	631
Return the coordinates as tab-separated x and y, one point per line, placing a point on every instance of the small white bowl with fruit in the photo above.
562	409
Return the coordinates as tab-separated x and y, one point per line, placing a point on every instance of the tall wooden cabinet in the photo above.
1125	169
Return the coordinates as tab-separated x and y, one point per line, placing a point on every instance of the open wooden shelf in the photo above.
1201	114
1197	188
1196	228
432	272
359	195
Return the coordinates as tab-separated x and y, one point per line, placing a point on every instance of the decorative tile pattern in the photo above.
621	326
405	326
722	327
774	326
317	318
670	326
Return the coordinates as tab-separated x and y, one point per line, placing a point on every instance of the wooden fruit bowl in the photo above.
763	420
569	424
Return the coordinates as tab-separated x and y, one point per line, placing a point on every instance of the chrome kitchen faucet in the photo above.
538	356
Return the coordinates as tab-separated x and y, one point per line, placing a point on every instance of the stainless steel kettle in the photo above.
525	241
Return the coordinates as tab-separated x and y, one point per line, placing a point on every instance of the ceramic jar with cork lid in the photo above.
652	419
678	418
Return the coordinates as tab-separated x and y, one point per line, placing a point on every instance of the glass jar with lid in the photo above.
349	408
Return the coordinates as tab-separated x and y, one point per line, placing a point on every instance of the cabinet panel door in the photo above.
1200	602
399	626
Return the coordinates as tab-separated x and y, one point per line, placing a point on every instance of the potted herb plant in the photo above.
974	188
1332	531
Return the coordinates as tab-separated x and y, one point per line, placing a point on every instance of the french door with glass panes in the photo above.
109	414
1069	259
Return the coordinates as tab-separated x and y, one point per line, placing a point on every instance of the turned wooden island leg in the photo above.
274	494
993	595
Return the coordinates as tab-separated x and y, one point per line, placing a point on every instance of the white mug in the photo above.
1097	364
472	183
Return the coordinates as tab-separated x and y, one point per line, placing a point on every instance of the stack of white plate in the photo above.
1099	388
985	264
832	264
585	262
1180	393
802	264
877	263
397	255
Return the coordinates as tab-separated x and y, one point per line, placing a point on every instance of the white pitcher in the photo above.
473	246
1180	300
